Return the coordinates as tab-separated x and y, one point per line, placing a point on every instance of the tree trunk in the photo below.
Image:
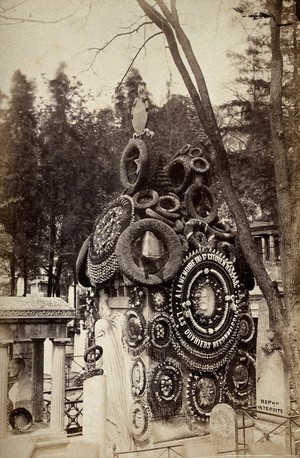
206	115
51	256
25	276
56	286
280	316
287	169
13	274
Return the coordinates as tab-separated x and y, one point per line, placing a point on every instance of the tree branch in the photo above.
98	50
185	44
39	21
208	120
121	35
136	55
4	10
164	25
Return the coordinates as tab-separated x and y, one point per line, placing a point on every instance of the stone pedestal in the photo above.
94	411
224	429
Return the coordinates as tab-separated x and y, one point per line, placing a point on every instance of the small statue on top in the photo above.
139	112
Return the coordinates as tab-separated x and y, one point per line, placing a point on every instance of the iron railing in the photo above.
73	409
289	421
167	451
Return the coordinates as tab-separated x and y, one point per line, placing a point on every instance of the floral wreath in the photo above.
137	297
160	330
159	298
138	377
102	260
240	379
134	332
91	315
140	416
247	328
205	340
20	412
203	392
165	389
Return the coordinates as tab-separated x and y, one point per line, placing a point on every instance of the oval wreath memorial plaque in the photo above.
165	389
203	392
205	311
101	259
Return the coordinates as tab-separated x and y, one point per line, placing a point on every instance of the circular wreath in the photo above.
247	328
240	379
222	231
140	418
195	227
133	165
179	173
146	198
195	152
134	331
20	420
170	203
185	149
200	165
102	271
102	260
167	265
137	166
200	203
203	392
159	298
93	354
160	331
138	378
165	389
108	227
81	264
204	311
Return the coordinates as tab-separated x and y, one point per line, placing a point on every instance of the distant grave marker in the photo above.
224	429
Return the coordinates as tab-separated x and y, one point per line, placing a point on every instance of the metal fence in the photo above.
73	409
290	422
167	452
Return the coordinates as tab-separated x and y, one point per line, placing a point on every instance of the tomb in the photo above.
25	322
171	284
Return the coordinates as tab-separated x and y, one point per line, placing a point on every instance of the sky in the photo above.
59	31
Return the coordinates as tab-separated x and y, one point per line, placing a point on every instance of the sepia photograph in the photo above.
149	228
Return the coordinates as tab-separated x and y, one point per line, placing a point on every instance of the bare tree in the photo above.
284	312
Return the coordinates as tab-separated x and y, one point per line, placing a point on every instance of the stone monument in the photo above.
223	429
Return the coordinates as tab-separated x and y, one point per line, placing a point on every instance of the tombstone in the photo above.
272	382
272	391
224	429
